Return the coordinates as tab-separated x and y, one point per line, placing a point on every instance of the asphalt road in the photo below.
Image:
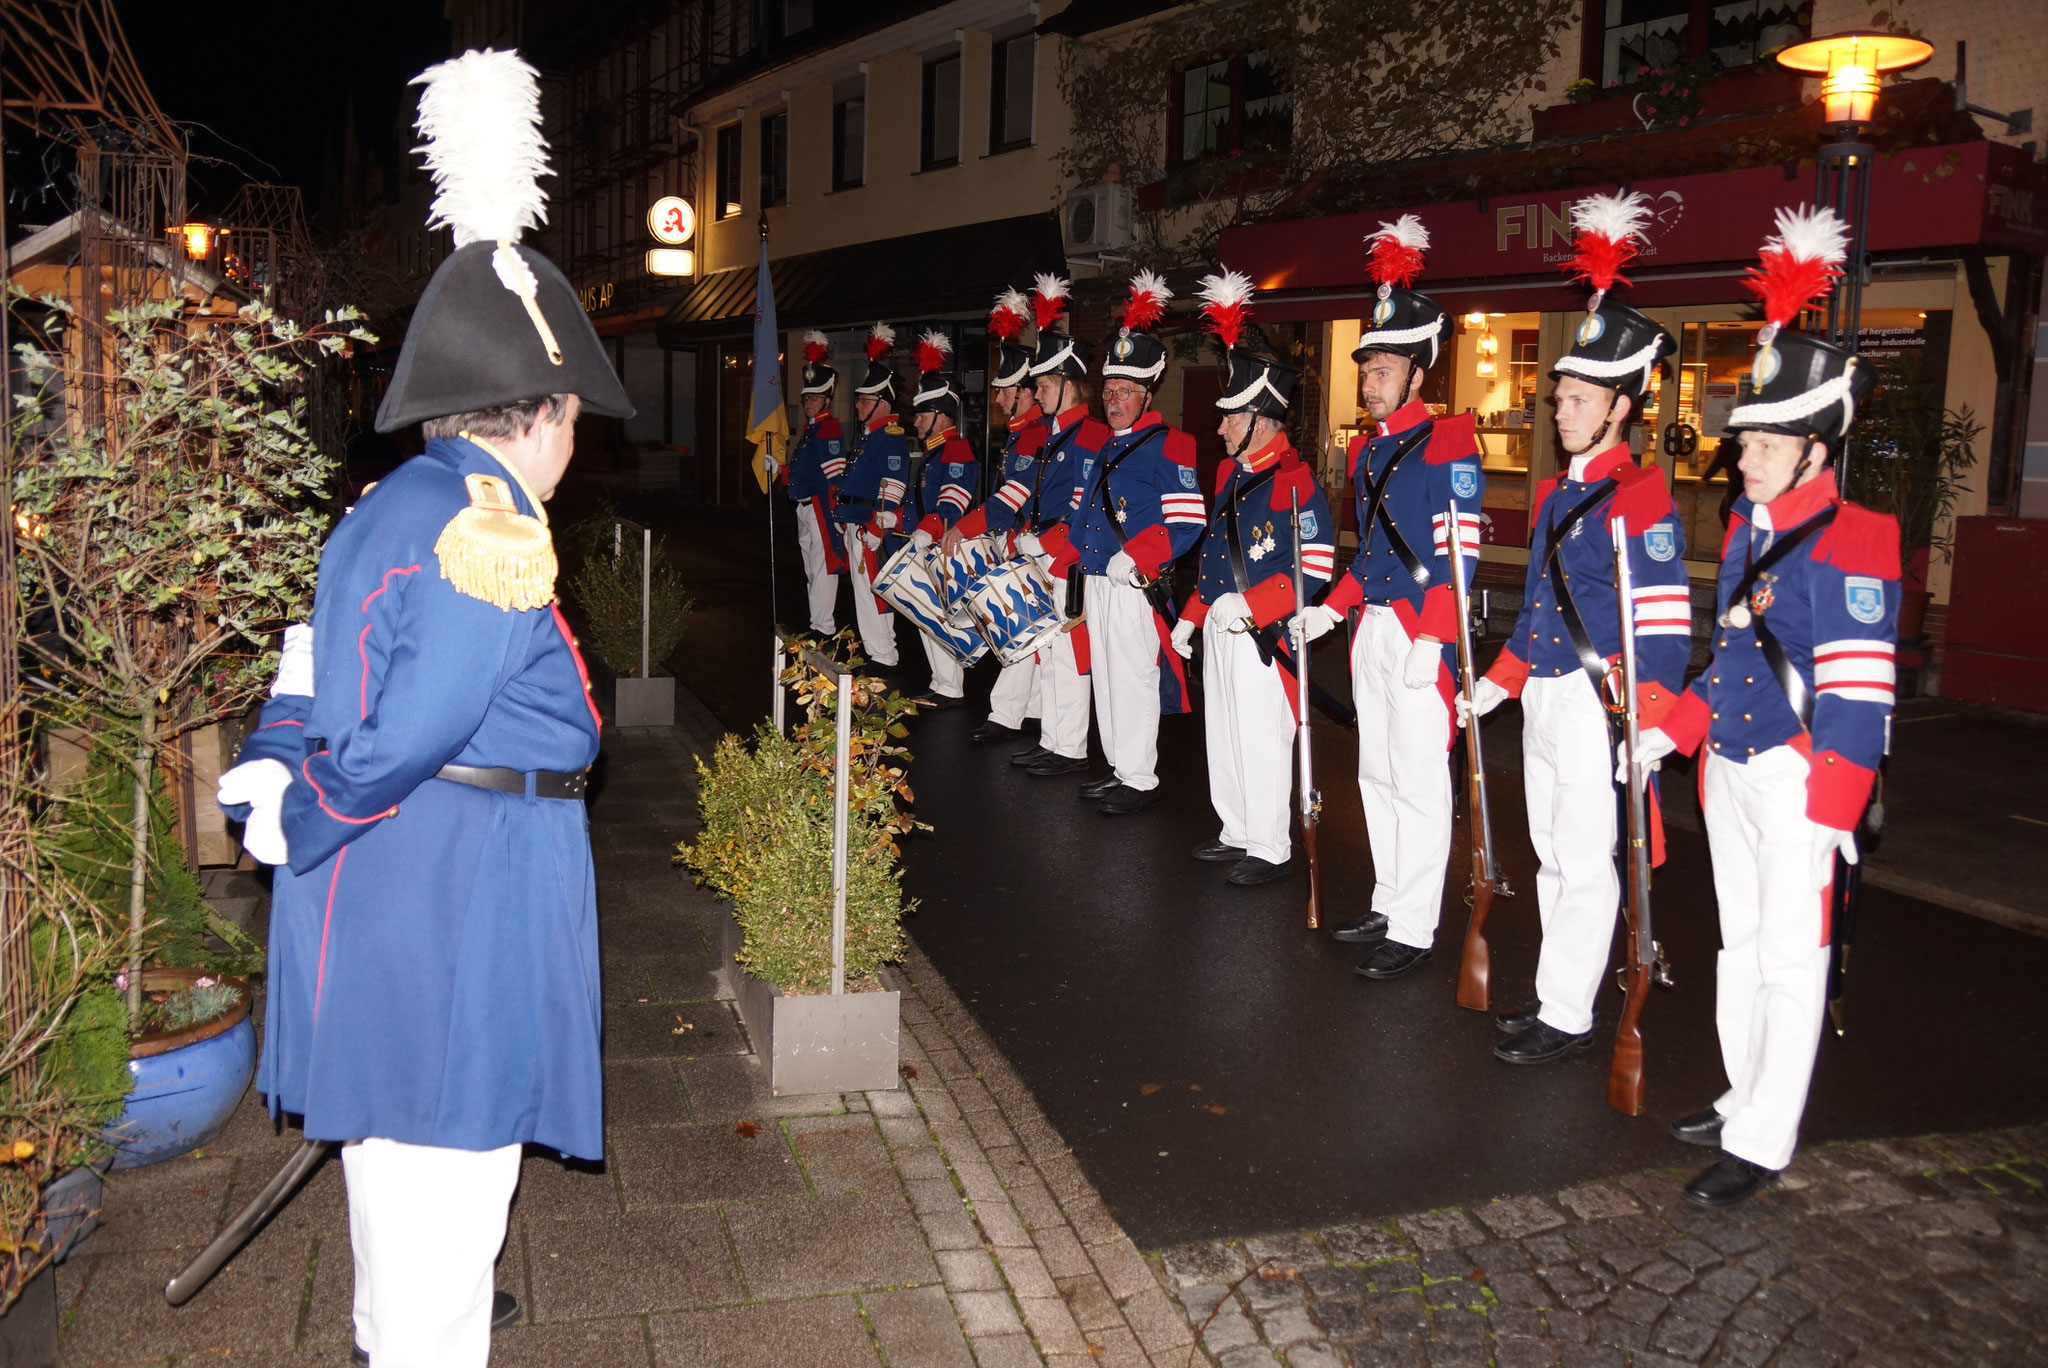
1220	1070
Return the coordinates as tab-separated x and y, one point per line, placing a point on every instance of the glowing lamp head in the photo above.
198	237
1487	367
1852	67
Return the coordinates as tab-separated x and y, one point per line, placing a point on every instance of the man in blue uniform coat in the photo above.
815	465
417	777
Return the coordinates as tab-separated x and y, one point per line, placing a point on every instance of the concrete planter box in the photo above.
814	1043
644	702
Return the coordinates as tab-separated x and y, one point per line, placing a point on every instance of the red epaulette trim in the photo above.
1451	438
1860	542
828	427
1094	434
1641	496
1222	474
1180	448
1545	487
1297	477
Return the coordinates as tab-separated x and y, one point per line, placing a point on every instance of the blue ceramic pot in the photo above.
187	1083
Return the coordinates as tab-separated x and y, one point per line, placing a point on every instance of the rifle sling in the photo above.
1264	638
1797	695
1594	664
1155	593
1053	446
1376	507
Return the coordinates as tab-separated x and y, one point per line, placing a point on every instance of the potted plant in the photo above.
1911	458
607	593
766	846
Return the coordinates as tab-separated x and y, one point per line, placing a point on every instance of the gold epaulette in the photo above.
492	551
892	429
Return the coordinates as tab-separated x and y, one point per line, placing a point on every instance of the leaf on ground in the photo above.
747	1129
682	1026
908	1070
1269	1273
1216	1108
1151	1088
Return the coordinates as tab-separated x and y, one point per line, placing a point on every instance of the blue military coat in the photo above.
433	945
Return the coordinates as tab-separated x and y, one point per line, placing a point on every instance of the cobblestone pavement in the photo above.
1880	1254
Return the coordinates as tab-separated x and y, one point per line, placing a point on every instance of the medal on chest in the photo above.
1123	511
1740	615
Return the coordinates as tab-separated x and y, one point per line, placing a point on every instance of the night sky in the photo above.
267	88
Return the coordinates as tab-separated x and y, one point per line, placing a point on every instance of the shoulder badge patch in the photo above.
1308	526
1660	543
953	469
833	446
492	551
1865	594
895	463
1187	478
1465	480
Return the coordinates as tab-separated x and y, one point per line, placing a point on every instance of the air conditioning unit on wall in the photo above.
1097	219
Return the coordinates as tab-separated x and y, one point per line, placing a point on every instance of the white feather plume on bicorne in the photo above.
1050	286
1618	218
480	116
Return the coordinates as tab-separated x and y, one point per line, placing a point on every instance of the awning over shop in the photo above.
943	271
1507	253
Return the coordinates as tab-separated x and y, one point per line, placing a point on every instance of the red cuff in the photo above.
1150	550
1687	721
1347	593
1055	543
1509	671
1439	617
1837	790
933	524
1654	703
974	522
1194	610
1271	599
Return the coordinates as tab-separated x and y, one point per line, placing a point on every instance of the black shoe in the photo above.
504	1314
992	730
1392	960
1052	762
1701	1128
1367	929
1540	1044
1125	799
938	702
1514	1023
1095	790
1216	852
1030	757
1252	871
1728	1181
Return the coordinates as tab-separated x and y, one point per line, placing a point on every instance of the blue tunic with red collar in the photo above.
879	476
433	946
945	487
1264	504
1043	465
817	461
1833	605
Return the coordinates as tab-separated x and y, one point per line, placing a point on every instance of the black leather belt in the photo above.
534	784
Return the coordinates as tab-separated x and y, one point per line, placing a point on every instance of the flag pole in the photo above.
766	446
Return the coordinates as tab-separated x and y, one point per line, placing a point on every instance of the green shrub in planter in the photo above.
607	592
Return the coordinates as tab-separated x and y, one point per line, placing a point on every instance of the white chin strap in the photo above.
1379	339
1644	360
1835	391
1055	361
1230	403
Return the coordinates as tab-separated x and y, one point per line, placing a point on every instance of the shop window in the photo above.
1660	34
728	171
940	124
849	142
775	158
1011	69
1230	107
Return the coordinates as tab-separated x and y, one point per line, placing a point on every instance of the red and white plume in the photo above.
1048	299
1226	303
881	337
1396	255
816	348
1608	233
1008	315
1801	263
1147	304
932	350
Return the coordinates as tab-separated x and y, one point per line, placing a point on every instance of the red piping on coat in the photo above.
327	921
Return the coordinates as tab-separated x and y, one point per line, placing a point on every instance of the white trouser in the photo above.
1014	696
877	623
1568	780
1770	983
1250	730
820	585
949	676
1404	779
426	1225
1064	695
1123	661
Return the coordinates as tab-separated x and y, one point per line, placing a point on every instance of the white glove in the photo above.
1652	745
260	784
1027	542
1827	842
1184	638
295	663
1230	610
1419	668
1313	621
871	540
770	467
920	539
1122	569
1486	696
885	519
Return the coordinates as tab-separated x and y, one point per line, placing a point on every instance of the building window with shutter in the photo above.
1011	78
940	131
775	158
849	139
728	171
1230	107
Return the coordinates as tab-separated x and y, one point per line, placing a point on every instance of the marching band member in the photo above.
814	467
1015	695
417	777
1795	707
1407	473
1244	596
1074	440
870	496
945	487
1569	631
1140	508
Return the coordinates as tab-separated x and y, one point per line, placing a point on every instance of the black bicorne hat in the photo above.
1260	385
935	392
1134	356
1802	387
1405	323
819	378
1060	354
880	380
1013	366
1617	348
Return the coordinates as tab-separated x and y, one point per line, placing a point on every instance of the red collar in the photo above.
1606	463
1274	452
1796	505
1148	418
938	439
1069	417
881	420
1025	419
1405	417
